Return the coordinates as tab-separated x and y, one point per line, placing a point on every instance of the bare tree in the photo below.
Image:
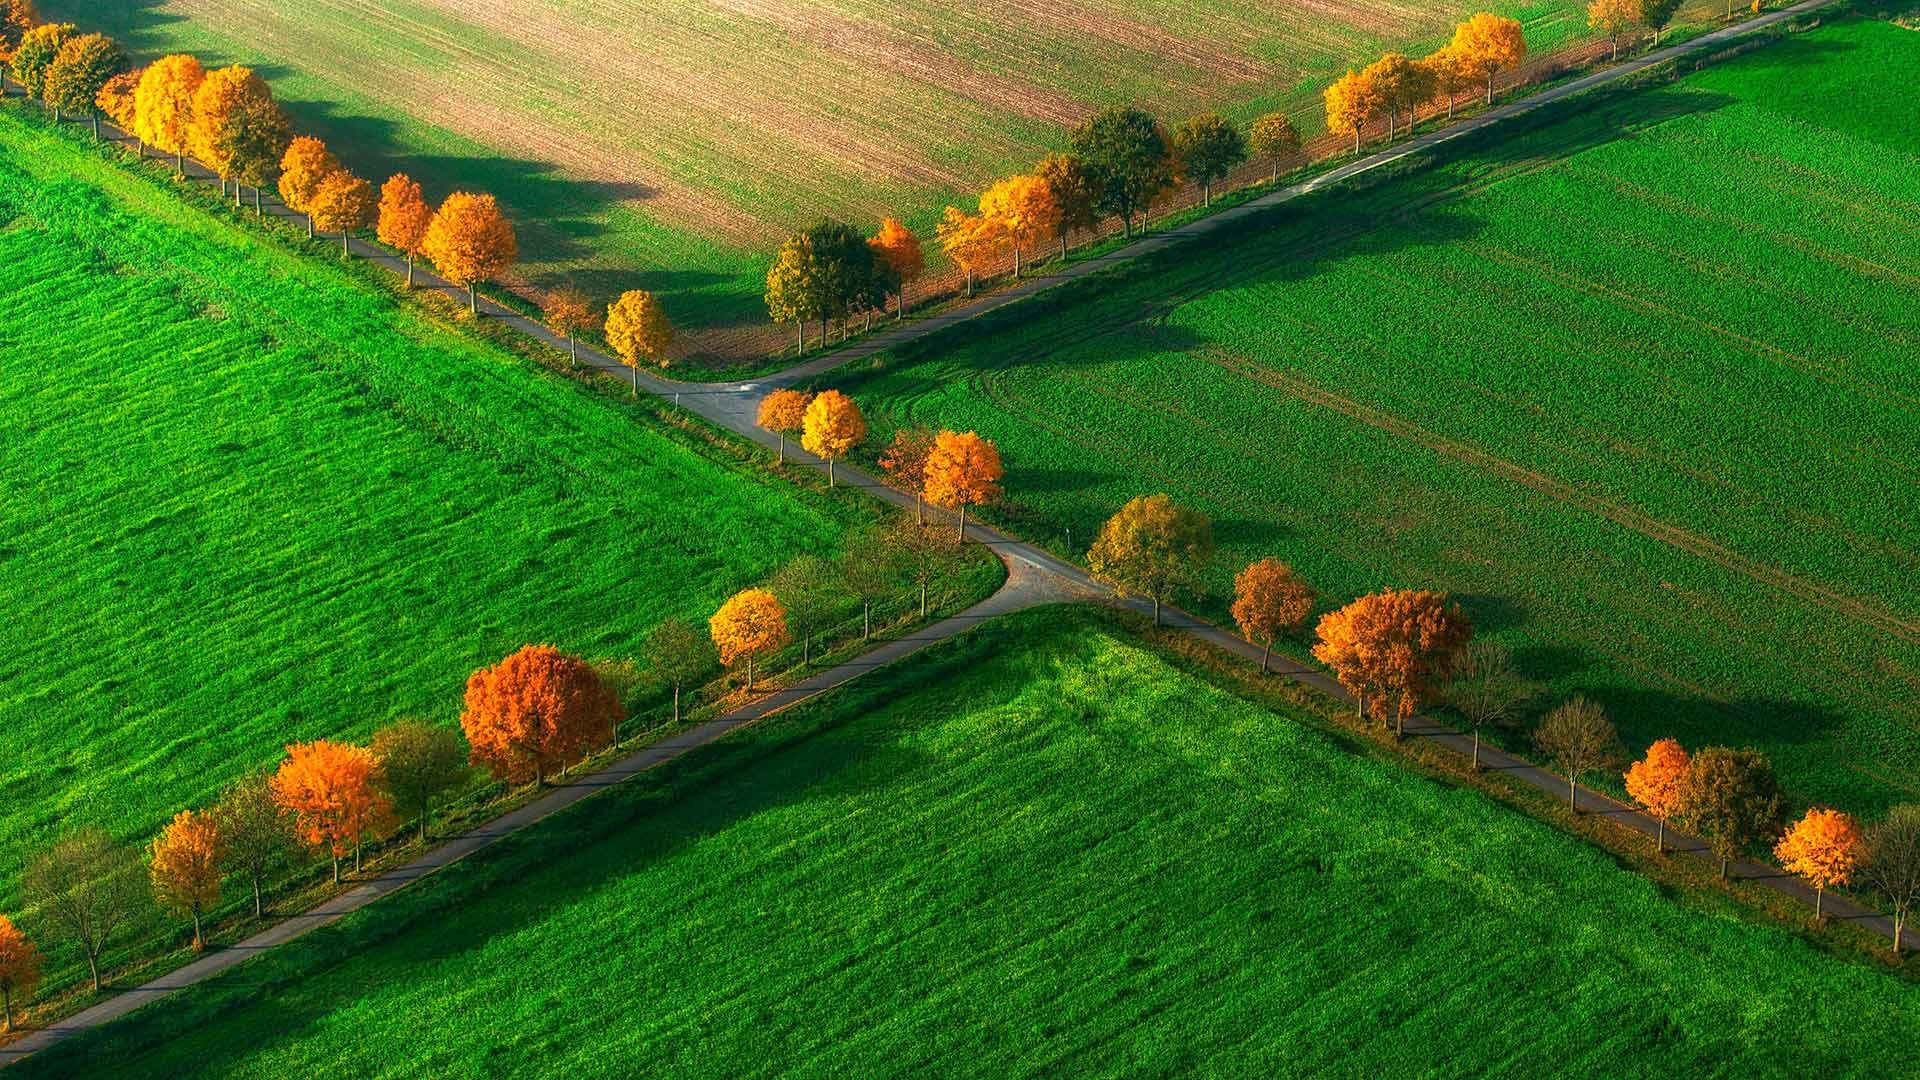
1486	688
89	888
677	654
1577	737
930	554
1892	866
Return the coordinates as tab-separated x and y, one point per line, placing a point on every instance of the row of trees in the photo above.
1482	47
829	272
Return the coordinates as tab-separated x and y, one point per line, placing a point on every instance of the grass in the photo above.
1632	379
1040	849
247	498
667	146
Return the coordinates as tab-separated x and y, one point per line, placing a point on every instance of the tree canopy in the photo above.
469	241
1126	158
1207	148
536	710
1154	547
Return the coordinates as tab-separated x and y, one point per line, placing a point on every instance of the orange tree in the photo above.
905	463
333	791
566	311
831	427
1154	547
1824	849
403	218
784	412
750	624
962	470
303	168
1656	781
536	709
638	330
343	203
163	104
116	100
1450	73
470	241
897	248
1269	600
186	863
19	969
1389	649
238	130
1488	44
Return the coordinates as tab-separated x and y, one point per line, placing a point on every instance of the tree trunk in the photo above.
1360	707
423	824
1356	138
1476	749
96	127
969	273
410	277
257	212
93	968
346	244
356	856
258	908
1489	87
923	599
749	673
180	162
473	301
1016	262
783	449
919	514
676	704
309	226
1572	792
636	382
336	869
806	647
1264	651
1156	609
6	993
1063	245
1126	223
539	773
236	194
830	478
1206	190
800	336
1723	869
866	619
1660	838
1614	41
1899	920
573	348
1393	117
199	942
963	522
1819	892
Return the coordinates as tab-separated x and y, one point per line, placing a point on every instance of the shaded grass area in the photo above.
1038	849
1630	378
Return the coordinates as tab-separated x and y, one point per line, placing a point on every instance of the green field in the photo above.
247	499
669	144
1635	381
1039	850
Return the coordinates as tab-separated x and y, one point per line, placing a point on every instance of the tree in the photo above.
1273	139
238	130
962	470
1824	849
1892	863
1124	152
1656	14
928	553
80	70
88	888
807	587
784	412
1577	737
303	168
402	225
898	249
567	311
536	709
163	105
257	829
1073	193
1269	600
905	463
470	241
750	624
116	100
677	654
1450	73
1153	547
1351	102
16	18
1207	148
1488	44
419	763
1730	799
639	331
870	568
333	791
1656	781
186	866
1613	18
35	54
793	294
1023	212
832	426
343	203
965	239
1485	688
1392	648
844	272
1401	85
19	969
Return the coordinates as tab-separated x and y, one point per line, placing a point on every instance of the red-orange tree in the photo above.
962	470
566	311
905	463
897	249
537	709
19	968
1269	600
1824	849
1389	649
752	623
333	791
185	864
1656	782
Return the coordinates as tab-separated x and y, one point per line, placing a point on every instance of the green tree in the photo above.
1655	15
1124	153
809	587
679	656
419	763
792	294
1154	547
1073	194
871	566
846	275
257	830
1207	148
1730	799
78	72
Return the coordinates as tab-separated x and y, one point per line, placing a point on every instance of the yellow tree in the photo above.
962	470
1269	600
470	241
1824	849
965	239
639	332
566	311
784	412
238	130
1401	85
1657	781
1488	44
749	625
1450	73
897	248
35	54
831	427
19	969
1023	212
403	220
1351	103
185	863
1154	547
303	168
1273	139
163	105
1613	18
343	203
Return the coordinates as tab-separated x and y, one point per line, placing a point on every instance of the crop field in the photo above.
246	500
1037	850
1636	384
669	144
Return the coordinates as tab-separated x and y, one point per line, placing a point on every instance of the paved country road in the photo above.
1035	576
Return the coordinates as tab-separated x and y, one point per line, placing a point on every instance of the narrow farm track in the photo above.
1035	577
